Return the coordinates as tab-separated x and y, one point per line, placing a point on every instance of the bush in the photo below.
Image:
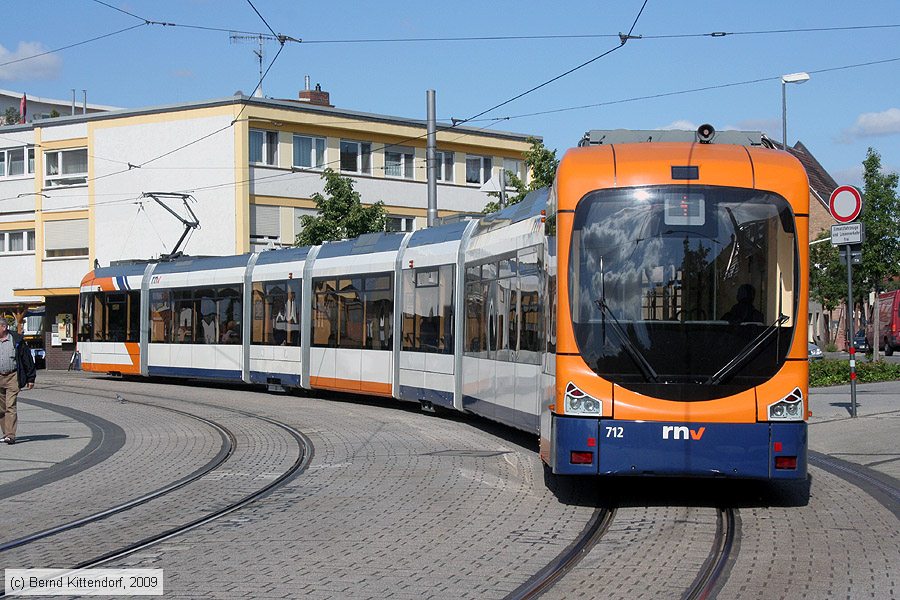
837	372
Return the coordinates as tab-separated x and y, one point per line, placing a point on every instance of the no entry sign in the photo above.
845	203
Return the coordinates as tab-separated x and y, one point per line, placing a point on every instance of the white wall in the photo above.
123	231
19	270
393	192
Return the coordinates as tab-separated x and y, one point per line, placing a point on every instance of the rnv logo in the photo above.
681	432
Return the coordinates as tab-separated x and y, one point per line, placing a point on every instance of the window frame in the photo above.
27	162
362	149
27	237
442	156
266	153
486	163
314	155
60	179
407	165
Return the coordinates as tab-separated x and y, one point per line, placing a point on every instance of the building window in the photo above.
13	162
309	152
393	223
398	162
515	167
265	226
264	147
356	157
66	167
444	166
66	239
17	241
478	169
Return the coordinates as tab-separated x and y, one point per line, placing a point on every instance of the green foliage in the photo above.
12	116
54	113
542	163
341	213
827	276
837	372
881	213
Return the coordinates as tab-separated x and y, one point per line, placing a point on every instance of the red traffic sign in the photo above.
845	204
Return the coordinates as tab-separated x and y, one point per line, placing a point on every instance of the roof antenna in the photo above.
193	223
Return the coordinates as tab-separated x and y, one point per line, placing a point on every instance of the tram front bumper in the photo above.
590	446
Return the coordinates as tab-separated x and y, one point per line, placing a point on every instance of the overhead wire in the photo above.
623	39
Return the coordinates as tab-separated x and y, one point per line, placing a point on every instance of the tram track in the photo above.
225	452
709	579
544	579
302	461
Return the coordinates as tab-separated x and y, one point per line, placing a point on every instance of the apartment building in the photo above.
73	189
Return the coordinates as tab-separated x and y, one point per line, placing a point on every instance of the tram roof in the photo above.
185	264
368	243
436	235
283	255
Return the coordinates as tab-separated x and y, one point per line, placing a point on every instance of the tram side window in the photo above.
116	316
160	316
185	325
531	318
276	313
86	318
134	317
353	312
379	312
476	318
229	312
428	310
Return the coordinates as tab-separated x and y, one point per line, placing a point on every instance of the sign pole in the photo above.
850	332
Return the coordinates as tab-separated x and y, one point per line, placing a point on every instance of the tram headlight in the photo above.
789	408
579	403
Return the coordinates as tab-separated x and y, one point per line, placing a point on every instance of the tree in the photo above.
827	276
341	213
12	116
542	163
880	215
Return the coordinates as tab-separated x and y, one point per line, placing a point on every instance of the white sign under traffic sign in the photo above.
849	233
845	203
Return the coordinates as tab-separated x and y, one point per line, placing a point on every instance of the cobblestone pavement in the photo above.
399	504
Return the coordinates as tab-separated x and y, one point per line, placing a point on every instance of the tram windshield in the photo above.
683	292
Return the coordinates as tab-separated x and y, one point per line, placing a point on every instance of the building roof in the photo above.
820	182
62	103
240	98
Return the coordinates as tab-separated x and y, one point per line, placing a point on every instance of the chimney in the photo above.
306	82
316	96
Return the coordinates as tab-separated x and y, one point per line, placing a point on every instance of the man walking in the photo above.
16	372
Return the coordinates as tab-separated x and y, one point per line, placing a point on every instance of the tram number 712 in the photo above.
615	432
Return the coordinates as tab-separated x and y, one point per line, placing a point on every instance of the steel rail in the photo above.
226	450
304	457
544	579
709	577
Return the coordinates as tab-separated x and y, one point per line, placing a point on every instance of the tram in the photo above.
644	316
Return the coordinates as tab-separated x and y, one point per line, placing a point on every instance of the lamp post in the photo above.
786	79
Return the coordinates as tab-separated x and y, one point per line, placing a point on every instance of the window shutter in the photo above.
265	221
66	235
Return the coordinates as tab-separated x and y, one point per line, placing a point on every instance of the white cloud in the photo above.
183	73
874	125
46	66
849	176
769	126
681	124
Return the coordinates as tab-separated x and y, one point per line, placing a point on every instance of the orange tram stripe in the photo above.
349	385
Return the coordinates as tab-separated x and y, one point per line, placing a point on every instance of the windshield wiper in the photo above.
646	369
748	351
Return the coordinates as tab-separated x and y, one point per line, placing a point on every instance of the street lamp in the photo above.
786	79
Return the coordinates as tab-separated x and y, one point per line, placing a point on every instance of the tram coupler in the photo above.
426	406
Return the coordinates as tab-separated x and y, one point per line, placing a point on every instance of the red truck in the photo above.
888	323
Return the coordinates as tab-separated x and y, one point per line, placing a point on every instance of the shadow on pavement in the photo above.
24	439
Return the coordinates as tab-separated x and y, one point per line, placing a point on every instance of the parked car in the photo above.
860	342
815	353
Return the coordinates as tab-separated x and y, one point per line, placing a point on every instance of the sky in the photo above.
670	77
